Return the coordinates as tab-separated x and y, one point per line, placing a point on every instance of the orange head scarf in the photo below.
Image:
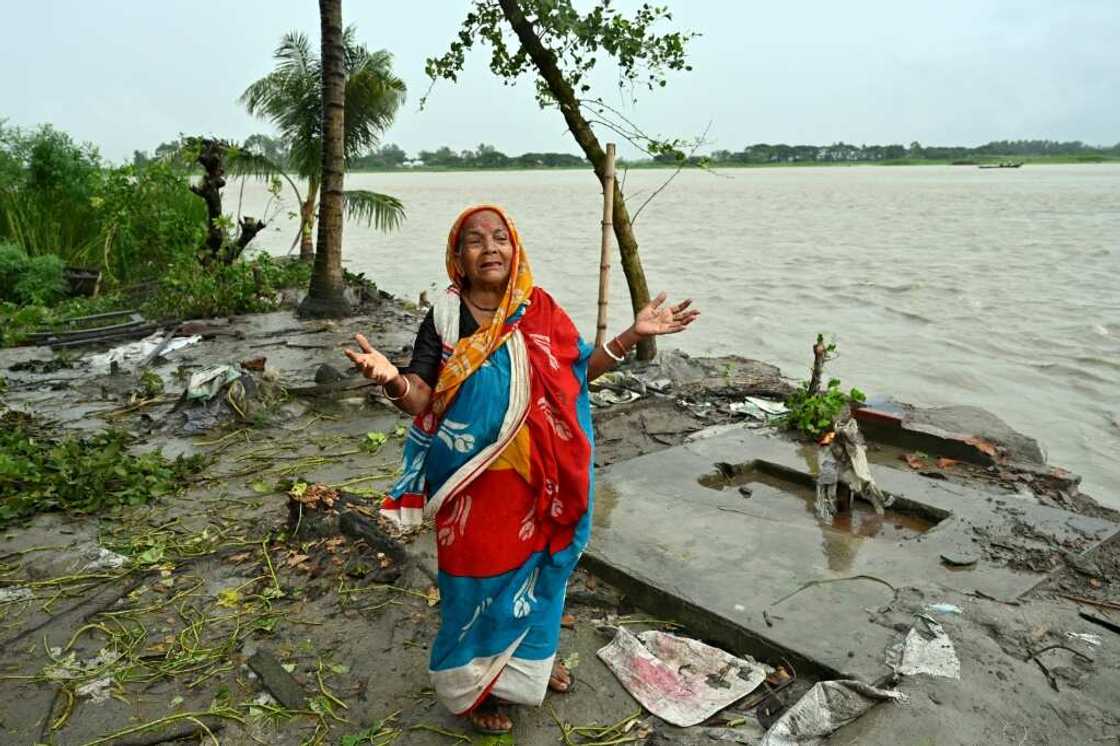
470	353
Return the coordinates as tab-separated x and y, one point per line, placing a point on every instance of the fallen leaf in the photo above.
261	487
229	598
913	460
241	557
296	559
254	363
1093	582
946	463
150	556
568	620
981	445
432	595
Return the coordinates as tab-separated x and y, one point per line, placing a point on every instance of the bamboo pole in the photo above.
605	253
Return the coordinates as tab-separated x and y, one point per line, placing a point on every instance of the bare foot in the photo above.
561	678
490	718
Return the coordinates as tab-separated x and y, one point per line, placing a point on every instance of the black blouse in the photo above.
427	351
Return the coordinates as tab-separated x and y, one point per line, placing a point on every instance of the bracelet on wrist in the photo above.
611	355
407	389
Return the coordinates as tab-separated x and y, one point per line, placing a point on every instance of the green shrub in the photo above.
191	291
813	415
47	184
43	282
13	263
30	280
17	321
57	197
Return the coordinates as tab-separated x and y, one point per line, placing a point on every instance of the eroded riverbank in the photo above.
201	587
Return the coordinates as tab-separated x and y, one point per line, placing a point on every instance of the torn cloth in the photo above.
681	681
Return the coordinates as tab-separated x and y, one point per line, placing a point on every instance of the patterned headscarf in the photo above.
470	353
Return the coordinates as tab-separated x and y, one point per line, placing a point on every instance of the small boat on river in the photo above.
1004	164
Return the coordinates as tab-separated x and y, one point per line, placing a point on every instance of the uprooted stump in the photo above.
316	511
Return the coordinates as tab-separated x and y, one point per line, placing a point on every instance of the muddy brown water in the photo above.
786	497
768	489
943	285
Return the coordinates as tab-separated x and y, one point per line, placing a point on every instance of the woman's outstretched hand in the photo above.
374	366
657	318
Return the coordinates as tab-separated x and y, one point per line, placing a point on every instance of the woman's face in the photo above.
485	250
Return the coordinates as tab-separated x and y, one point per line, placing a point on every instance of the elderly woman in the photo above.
500	454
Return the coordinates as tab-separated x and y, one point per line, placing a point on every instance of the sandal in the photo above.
490	711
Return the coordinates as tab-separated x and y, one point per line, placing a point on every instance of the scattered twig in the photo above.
1091	602
1101	621
812	583
459	737
115	738
1060	646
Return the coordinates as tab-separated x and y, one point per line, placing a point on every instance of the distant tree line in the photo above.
391	156
842	152
484	156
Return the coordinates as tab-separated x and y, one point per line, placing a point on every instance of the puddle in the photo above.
772	487
789	496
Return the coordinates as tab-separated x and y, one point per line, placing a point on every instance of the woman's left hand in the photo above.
657	318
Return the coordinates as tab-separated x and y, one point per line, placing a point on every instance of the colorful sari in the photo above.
502	461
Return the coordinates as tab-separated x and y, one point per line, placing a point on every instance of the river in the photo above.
940	285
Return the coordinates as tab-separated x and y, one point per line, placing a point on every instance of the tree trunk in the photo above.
325	297
212	159
545	62
307	221
820	353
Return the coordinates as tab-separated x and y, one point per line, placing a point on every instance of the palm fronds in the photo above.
291	98
383	211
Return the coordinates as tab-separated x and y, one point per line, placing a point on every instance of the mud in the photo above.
218	574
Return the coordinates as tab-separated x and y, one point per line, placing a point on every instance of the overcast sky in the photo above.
128	75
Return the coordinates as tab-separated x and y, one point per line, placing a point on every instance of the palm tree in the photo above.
325	296
291	96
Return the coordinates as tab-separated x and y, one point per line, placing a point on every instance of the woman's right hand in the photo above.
372	363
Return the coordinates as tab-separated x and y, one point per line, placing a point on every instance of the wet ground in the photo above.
204	589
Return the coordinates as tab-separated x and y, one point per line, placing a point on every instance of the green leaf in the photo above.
150	556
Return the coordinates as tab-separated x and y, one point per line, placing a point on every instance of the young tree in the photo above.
291	97
325	296
563	46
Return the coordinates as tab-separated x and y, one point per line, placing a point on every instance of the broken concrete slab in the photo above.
720	561
278	682
965	433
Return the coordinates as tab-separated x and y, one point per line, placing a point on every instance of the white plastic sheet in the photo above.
134	352
926	650
680	680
